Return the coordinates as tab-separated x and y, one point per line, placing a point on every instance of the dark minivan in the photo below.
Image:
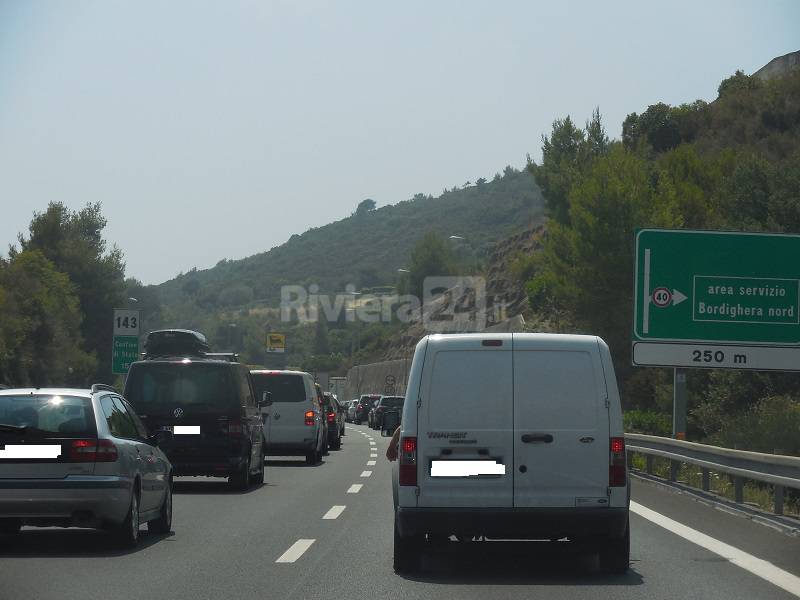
206	401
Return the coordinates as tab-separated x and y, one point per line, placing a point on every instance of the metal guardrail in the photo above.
780	471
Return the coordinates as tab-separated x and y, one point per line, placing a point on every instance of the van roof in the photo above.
521	340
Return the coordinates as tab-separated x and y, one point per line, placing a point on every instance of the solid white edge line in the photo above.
334	512
366	473
355	488
295	551
370	463
757	566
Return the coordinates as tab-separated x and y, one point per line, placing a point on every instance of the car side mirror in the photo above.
266	399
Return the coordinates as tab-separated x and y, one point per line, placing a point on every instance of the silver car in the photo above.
78	457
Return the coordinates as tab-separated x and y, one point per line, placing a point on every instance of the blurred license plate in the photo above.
15	451
466	468
186	430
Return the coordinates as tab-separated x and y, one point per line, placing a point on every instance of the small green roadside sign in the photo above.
125	345
717	299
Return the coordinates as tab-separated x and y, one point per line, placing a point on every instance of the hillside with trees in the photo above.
732	164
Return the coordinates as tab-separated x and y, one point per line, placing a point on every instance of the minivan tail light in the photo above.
617	471
92	451
331	417
309	417
408	461
233	428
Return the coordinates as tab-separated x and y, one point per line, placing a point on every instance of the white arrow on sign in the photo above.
677	297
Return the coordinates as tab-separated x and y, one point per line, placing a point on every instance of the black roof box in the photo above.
175	342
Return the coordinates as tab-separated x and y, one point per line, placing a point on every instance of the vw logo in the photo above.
178	413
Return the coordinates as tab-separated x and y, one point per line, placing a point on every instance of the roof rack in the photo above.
229	356
102	387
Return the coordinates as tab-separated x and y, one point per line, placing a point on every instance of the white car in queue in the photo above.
80	457
512	436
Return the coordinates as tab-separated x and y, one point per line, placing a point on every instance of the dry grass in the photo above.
755	493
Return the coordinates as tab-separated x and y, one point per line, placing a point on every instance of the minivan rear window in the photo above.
165	386
392	402
284	387
46	415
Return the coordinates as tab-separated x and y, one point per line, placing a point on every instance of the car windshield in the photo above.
168	385
47	415
283	387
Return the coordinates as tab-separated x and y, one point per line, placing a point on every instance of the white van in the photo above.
293	423
512	436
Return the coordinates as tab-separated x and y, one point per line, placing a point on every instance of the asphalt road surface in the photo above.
326	532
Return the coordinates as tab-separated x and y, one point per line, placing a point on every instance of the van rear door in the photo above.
561	431
290	394
465	423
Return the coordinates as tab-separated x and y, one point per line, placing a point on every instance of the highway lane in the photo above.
225	545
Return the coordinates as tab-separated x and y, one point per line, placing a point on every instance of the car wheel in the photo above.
163	524
127	533
615	554
10	526
312	457
337	443
407	553
241	480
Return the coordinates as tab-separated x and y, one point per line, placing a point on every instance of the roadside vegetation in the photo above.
733	164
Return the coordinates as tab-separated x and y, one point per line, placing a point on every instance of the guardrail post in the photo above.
778	499
674	465
706	480
738	489
648	464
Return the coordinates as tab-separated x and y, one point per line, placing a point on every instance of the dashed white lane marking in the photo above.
366	473
355	488
334	512
371	443
370	463
295	551
373	456
758	567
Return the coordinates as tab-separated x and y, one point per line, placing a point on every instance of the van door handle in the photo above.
530	438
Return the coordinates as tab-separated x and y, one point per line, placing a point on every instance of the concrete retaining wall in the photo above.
388	377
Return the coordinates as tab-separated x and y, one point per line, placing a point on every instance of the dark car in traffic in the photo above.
385	404
365	404
330	409
206	402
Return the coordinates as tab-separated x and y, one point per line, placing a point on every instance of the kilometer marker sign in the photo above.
717	300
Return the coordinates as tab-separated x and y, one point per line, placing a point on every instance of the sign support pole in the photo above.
679	404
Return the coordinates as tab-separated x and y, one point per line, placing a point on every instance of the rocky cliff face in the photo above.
780	66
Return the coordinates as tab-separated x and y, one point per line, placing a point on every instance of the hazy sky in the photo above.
213	130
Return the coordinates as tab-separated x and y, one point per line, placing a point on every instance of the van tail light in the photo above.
92	451
617	471
232	428
331	417
309	417
408	461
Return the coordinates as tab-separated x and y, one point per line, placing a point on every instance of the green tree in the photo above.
73	242
40	333
431	256
365	206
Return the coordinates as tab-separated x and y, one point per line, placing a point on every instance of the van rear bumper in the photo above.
513	523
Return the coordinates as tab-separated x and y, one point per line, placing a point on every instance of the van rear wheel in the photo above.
407	553
615	554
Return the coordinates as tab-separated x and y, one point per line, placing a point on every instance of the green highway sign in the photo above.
717	299
125	345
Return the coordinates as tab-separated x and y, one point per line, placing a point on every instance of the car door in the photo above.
250	414
560	427
156	467
465	425
131	458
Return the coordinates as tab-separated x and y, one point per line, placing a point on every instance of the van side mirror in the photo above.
266	399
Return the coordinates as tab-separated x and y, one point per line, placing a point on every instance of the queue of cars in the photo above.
98	458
